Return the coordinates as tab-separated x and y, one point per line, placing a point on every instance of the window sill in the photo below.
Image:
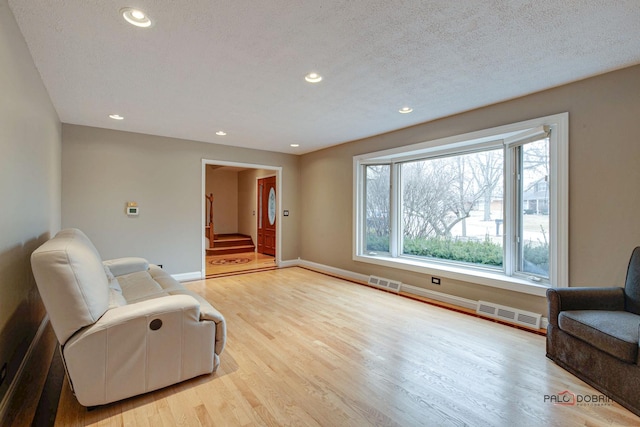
485	278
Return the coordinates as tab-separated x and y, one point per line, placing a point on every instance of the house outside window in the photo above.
487	207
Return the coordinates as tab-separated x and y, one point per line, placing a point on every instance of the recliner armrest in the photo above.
583	298
122	266
140	347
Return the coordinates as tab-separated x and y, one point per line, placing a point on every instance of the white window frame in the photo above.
558	200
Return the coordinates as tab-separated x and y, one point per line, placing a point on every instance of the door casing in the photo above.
277	171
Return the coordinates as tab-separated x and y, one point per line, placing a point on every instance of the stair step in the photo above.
225	243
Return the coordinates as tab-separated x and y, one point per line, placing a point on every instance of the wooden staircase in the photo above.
225	244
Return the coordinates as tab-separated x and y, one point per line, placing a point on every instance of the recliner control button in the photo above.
155	324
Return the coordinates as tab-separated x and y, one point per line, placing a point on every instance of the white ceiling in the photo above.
239	65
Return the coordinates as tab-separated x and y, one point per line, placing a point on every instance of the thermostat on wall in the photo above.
132	209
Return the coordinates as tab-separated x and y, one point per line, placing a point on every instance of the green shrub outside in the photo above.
537	255
483	252
377	243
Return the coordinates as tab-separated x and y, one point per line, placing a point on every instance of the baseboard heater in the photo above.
509	314
386	284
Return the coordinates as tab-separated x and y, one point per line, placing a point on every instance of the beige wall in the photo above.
223	184
29	189
103	169
604	150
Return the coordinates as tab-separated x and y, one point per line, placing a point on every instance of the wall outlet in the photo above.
435	280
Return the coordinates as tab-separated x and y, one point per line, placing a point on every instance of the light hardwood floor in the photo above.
311	350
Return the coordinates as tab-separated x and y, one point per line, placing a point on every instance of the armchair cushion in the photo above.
116	299
77	294
156	283
614	332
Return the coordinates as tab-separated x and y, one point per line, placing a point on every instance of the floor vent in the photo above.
509	314
386	284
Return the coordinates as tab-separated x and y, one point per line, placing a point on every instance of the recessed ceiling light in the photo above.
221	133
116	117
295	145
405	110
135	17
313	78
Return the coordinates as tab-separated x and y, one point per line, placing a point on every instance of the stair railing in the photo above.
209	228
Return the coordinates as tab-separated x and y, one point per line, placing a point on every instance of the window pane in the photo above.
378	207
452	208
534	243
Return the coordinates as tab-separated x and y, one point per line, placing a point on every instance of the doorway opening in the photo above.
241	230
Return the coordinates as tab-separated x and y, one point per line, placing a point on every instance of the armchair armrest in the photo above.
140	347
186	304
565	299
122	266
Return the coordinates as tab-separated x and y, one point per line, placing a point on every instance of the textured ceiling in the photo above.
239	65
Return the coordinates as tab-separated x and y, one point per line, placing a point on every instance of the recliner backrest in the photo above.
632	283
72	282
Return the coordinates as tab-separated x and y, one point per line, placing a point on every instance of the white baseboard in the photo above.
186	277
544	322
333	270
289	263
439	296
8	397
415	290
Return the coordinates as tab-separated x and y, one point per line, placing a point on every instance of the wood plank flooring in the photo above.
311	350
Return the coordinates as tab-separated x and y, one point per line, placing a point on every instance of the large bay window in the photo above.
488	207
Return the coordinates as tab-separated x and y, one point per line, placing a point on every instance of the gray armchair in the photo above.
594	334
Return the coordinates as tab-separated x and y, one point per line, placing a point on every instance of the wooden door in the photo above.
267	215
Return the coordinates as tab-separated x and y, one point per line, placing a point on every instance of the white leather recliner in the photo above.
125	327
